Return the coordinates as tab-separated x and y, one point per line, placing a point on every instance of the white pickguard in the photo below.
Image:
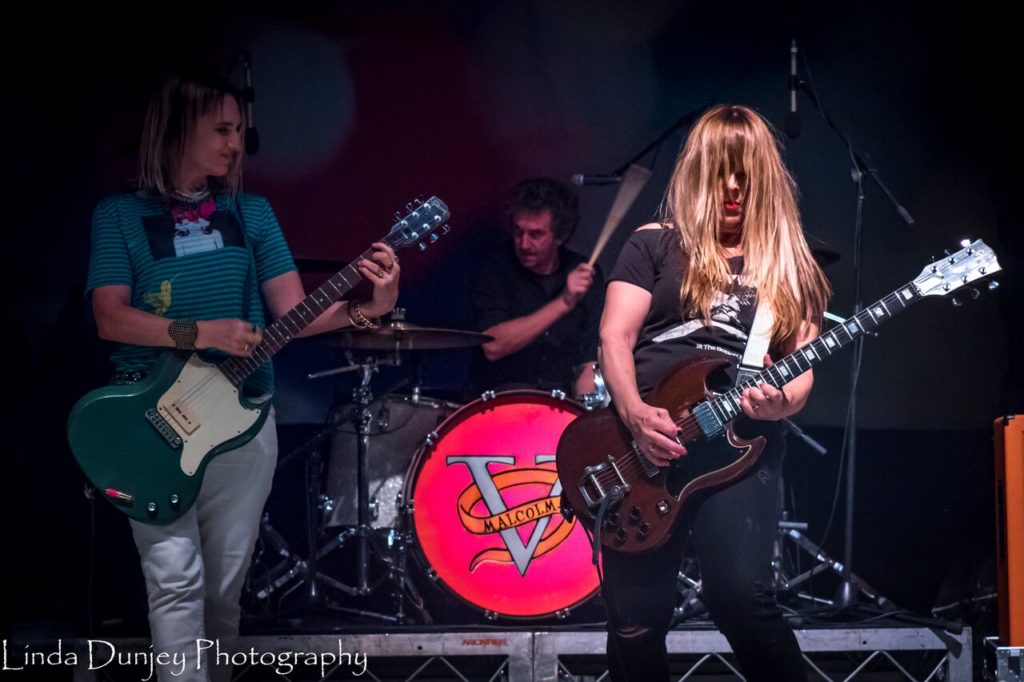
202	407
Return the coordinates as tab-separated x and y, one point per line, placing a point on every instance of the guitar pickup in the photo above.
594	491
182	417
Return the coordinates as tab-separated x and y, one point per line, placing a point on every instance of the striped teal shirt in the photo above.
193	265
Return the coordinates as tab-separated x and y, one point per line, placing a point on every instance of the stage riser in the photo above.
523	656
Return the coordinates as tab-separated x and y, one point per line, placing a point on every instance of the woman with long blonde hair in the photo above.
687	287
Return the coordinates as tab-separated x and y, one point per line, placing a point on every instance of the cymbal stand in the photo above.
393	556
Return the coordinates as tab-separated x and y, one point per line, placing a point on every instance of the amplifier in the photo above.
1009	460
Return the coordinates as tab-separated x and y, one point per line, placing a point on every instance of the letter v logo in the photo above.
521	553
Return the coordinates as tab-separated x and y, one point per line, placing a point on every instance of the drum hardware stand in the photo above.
689	589
393	555
289	565
794	530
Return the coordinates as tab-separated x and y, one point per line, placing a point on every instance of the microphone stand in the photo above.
684	121
847	592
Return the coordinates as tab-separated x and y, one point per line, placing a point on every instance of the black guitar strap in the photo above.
249	277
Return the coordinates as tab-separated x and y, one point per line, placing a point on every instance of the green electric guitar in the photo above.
146	446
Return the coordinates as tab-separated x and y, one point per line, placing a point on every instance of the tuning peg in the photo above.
423	246
992	286
434	237
398	215
417	201
956	302
445	229
974	292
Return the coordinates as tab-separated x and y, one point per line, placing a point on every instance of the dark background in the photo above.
362	106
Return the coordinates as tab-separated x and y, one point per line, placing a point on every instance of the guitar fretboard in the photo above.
420	222
291	324
713	414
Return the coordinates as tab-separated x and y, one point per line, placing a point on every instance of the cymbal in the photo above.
400	335
825	257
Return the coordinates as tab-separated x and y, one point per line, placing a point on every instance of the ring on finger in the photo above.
380	272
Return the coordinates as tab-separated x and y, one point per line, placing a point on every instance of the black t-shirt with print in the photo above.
503	290
653	260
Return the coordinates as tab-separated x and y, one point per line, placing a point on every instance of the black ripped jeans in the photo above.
733	530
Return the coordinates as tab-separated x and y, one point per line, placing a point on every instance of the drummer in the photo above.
540	301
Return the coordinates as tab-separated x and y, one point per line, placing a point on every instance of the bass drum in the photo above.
398	426
483	501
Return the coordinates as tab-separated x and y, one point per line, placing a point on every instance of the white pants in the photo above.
195	567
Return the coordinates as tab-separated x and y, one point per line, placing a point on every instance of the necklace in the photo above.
196	197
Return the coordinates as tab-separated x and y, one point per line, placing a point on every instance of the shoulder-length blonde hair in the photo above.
729	140
171	119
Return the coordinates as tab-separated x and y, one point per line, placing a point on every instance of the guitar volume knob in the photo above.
635	515
644	530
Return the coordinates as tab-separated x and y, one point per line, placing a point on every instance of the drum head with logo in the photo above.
485	502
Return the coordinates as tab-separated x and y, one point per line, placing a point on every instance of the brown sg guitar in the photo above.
603	472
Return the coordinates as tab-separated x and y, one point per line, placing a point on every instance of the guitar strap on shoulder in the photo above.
758	341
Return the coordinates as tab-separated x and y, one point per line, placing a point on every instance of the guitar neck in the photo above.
421	221
290	325
725	407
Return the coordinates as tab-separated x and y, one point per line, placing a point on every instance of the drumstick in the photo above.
633	180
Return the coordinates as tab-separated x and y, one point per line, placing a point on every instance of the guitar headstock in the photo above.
423	218
973	262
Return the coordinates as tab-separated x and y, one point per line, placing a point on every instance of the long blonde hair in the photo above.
171	118
729	140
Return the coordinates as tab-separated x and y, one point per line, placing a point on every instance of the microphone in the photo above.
602	179
252	136
792	118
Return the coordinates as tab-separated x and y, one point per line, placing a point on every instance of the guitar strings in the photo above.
630	461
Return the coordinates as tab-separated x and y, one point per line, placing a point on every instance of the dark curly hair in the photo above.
539	194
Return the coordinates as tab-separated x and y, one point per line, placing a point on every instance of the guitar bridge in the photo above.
163	428
594	493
